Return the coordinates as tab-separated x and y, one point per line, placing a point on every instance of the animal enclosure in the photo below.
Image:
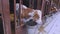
8	14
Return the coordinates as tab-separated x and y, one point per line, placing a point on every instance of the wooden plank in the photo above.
6	17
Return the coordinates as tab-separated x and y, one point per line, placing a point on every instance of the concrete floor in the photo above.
52	25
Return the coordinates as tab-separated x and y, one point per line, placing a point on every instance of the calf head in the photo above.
27	13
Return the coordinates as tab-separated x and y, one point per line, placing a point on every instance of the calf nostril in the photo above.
31	19
31	22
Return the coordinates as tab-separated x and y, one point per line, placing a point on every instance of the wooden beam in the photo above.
6	17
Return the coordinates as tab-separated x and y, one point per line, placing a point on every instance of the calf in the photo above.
30	16
28	13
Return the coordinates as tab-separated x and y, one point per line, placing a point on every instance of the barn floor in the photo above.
52	25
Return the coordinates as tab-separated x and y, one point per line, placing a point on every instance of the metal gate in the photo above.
5	14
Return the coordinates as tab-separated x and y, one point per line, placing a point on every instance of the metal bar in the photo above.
38	4
6	17
18	29
22	29
42	9
0	8
15	12
58	3
15	18
15	15
2	16
30	3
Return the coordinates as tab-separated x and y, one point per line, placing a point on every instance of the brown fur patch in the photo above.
36	16
26	12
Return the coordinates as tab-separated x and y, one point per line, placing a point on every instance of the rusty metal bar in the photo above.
42	9
38	4
15	12
22	29
6	17
15	18
18	29
30	3
1	16
59	3
0	8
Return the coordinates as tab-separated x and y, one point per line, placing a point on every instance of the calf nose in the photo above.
31	22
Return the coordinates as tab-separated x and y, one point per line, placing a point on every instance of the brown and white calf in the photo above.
28	14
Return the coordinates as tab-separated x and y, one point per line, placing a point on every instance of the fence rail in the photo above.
5	14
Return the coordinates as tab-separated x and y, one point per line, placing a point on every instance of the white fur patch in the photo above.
17	6
39	21
31	13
